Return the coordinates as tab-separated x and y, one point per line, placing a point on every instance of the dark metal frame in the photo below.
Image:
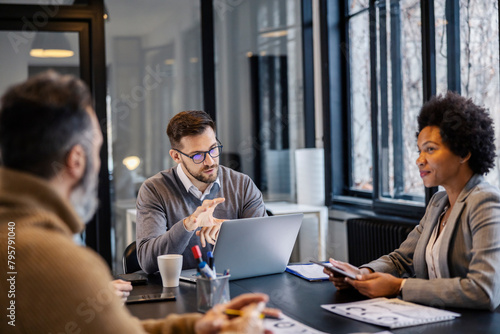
308	73
428	62
208	57
453	44
384	94
278	137
335	85
376	162
397	93
88	21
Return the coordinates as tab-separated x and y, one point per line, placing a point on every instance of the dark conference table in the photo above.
301	300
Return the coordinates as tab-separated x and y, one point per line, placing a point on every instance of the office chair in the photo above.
129	259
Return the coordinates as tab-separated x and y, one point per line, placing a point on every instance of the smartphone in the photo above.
155	297
330	267
134	278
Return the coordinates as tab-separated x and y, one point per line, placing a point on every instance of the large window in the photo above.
391	68
479	45
395	62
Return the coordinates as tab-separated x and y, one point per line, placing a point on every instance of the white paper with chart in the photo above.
392	313
288	325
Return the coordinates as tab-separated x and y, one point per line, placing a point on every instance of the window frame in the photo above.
337	116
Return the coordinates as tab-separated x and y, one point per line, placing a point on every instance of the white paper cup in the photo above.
170	266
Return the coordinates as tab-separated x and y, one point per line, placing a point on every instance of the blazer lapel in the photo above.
448	232
436	208
453	221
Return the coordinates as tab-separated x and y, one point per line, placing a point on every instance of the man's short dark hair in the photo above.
464	127
41	119
188	123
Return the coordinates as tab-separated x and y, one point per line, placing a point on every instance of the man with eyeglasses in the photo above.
184	206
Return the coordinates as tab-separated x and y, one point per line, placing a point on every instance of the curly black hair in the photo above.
464	127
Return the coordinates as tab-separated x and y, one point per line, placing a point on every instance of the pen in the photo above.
197	255
206	271
239	312
210	257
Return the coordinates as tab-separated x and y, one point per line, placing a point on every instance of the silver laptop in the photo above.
252	247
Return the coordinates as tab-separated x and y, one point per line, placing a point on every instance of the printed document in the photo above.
392	313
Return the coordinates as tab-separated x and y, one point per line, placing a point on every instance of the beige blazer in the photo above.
470	252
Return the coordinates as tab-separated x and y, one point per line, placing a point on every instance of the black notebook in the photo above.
154	297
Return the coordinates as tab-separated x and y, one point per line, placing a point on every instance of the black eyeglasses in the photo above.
199	157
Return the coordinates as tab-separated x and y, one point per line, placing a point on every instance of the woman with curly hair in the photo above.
452	257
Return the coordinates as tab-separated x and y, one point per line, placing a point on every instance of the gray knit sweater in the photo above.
163	202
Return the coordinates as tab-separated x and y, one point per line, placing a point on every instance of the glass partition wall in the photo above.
22	55
154	65
154	69
259	86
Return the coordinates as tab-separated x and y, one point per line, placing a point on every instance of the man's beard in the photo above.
204	178
84	196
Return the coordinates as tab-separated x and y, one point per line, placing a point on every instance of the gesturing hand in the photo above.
203	217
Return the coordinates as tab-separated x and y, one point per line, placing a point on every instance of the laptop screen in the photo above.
256	246
252	247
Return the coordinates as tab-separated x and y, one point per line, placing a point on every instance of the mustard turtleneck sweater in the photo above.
57	286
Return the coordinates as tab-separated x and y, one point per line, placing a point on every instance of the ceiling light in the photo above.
132	162
51	45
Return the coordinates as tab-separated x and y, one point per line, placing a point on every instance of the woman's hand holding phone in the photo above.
338	279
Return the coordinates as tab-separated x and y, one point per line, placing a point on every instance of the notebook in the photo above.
392	313
308	271
252	247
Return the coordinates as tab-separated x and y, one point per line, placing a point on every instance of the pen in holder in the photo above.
212	291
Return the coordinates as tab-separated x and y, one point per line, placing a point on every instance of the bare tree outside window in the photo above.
412	92
479	51
359	60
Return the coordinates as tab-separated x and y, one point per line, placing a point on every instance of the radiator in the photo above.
369	238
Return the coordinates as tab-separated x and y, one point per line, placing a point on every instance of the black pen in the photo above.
210	257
